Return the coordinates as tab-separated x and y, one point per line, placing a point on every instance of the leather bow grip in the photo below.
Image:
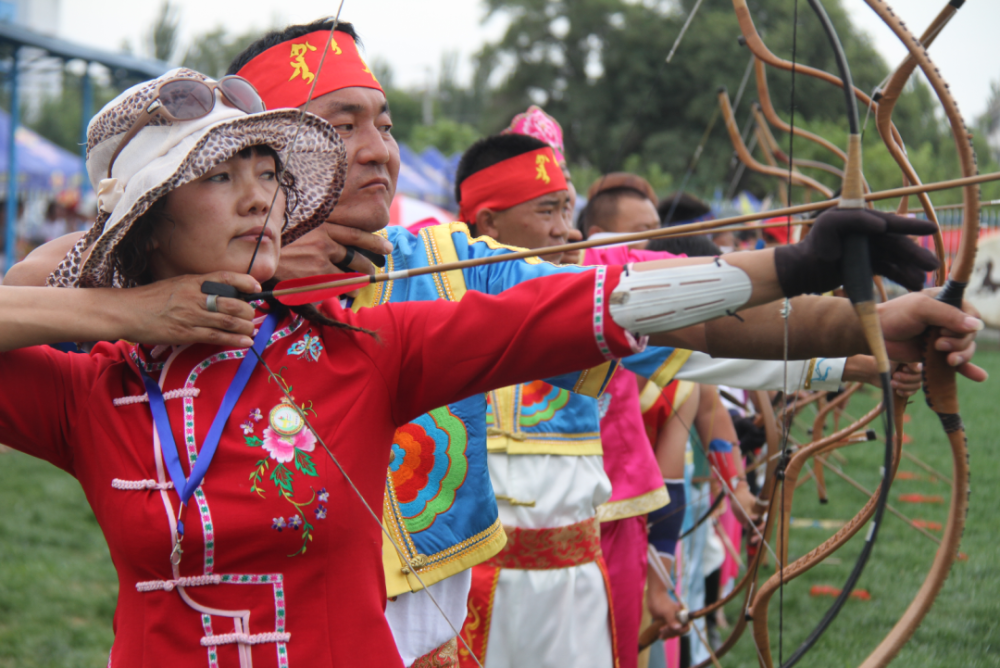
856	269
226	290
374	258
856	266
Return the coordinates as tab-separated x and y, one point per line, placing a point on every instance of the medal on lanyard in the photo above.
184	486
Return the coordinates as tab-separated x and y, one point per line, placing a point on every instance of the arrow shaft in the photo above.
678	230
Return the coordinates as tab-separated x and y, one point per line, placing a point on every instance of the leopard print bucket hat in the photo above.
165	155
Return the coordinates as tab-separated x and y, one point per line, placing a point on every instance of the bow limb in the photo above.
749	161
759	609
858	284
939	378
764	501
889	132
748	580
767	138
771	115
888	96
760	50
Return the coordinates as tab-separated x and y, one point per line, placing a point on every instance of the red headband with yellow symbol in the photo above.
284	74
511	182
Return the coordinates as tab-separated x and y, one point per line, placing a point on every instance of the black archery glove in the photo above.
812	266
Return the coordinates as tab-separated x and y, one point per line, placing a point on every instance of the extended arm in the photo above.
36	267
653	301
170	311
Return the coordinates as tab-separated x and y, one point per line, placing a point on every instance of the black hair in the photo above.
488	151
276	37
603	207
696	246
688	208
308	312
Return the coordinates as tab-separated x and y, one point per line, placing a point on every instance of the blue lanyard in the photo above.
185	486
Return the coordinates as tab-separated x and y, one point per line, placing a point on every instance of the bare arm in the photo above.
172	311
829	327
36	267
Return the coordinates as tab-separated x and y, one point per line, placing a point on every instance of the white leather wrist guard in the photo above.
660	300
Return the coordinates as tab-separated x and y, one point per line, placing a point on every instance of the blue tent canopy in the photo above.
424	179
41	165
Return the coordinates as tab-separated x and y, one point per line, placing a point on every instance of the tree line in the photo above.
598	66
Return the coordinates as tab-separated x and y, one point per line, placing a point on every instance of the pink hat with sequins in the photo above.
536	123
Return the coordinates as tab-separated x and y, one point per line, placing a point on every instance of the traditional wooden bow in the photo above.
940	388
945	402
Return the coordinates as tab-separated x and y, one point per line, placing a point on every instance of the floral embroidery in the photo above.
208	526
309	348
284	448
287	441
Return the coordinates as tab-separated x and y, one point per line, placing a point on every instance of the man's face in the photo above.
537	223
633	215
361	117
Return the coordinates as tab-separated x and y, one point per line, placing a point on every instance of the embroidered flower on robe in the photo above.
278	523
256	415
294	522
247	428
282	448
320	512
323	496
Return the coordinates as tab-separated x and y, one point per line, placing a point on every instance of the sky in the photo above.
412	35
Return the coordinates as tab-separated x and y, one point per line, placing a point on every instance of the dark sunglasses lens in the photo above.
187	100
242	95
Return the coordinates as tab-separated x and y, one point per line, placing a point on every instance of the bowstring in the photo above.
290	150
785	313
701	145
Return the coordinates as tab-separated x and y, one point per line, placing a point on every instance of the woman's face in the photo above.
213	223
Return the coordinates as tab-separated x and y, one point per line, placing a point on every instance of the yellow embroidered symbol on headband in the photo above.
540	173
299	66
369	71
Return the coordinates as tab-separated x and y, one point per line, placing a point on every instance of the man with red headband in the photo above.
545	600
460	526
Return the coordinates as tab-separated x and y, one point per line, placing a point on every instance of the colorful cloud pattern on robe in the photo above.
428	467
540	402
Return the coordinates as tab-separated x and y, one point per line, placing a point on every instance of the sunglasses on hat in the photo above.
190	99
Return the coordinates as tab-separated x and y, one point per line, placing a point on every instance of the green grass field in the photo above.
58	587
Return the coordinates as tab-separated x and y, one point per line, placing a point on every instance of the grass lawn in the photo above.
58	587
